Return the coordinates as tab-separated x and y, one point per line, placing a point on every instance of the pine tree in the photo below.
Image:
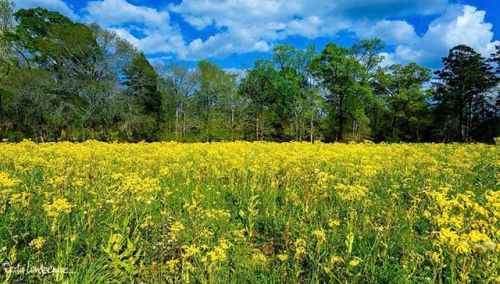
462	95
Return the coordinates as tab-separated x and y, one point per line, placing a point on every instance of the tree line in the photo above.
63	80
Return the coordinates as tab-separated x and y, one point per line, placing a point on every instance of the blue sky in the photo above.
233	33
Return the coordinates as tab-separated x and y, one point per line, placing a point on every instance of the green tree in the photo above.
231	108
213	82
47	40
101	114
6	55
179	84
406	102
35	36
296	98
338	72
367	52
495	59
142	83
462	95
97	84
259	88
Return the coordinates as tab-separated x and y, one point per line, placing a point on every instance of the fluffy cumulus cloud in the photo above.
228	27
115	12
244	26
149	29
55	5
240	73
255	25
459	24
393	32
223	44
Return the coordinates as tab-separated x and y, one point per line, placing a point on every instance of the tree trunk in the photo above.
296	118
177	113
209	112
354	129
469	120
183	128
257	128
461	106
341	119
461	124
311	132
261	131
208	124
232	123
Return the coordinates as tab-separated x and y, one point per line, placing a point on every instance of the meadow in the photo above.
245	212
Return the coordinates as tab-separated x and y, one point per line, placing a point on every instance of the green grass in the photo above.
249	212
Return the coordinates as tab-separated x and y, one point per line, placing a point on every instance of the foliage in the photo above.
142	81
406	116
465	104
339	72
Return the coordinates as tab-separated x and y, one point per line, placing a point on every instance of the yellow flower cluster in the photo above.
300	248
176	230
465	222
233	212
37	243
60	206
320	235
6	181
351	192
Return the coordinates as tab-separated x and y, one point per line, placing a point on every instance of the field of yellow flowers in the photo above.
249	213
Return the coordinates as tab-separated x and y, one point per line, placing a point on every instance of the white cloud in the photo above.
242	13
388	59
460	24
55	5
243	26
247	26
266	21
149	29
392	32
240	73
222	44
126	35
116	12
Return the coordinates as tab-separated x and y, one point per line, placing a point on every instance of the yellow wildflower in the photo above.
461	247
300	248
475	237
259	258
59	207
333	223
175	230
320	235
172	265
190	251
7	181
447	235
354	262
37	243
282	256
